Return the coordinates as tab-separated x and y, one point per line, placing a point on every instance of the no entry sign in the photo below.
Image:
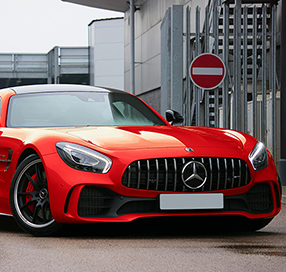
207	71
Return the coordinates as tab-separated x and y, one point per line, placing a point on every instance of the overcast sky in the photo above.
36	26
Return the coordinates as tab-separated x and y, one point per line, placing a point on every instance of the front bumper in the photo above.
99	204
96	202
79	197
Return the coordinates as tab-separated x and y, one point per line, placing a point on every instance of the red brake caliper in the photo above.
30	188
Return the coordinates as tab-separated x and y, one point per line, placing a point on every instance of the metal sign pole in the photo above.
132	48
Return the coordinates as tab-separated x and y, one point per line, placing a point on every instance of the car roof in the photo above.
61	87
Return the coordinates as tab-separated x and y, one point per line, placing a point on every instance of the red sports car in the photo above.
78	154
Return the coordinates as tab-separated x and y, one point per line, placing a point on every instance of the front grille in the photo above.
165	174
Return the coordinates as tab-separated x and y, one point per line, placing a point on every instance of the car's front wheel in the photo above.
29	198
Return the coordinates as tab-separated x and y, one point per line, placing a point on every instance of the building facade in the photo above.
106	52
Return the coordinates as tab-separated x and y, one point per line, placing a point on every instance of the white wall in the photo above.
106	45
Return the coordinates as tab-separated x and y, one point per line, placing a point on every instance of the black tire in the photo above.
29	198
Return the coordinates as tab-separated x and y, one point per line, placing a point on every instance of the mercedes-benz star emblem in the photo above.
194	175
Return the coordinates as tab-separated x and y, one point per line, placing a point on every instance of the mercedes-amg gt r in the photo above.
78	154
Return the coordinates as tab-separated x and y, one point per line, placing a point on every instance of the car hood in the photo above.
128	138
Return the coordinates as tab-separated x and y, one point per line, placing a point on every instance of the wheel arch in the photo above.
27	152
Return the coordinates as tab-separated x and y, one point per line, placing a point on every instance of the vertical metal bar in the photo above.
50	65
273	76
197	52
207	30
237	68
207	109
225	59
282	161
264	68
233	121
56	64
216	38
188	58
207	43
13	57
245	37
132	48
254	71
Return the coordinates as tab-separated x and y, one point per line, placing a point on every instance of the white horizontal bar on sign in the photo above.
207	71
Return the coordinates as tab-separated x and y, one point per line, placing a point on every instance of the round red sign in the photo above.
207	71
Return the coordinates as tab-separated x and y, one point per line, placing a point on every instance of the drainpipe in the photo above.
282	162
132	48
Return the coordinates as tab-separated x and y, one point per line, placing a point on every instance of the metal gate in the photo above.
244	37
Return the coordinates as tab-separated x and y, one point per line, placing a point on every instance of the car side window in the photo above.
128	112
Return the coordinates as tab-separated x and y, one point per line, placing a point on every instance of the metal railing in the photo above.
244	36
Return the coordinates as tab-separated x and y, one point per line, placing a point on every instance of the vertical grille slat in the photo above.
164	174
175	175
129	176
218	174
138	174
148	174
246	175
157	174
239	167
233	173
211	174
225	173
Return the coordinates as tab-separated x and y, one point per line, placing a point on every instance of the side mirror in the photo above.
173	117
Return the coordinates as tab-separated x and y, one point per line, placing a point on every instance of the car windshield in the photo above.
70	109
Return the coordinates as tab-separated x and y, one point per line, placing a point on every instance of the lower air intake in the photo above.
94	201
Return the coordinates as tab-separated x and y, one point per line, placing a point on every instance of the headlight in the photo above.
83	158
259	157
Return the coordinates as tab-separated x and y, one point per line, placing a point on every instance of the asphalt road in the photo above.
146	246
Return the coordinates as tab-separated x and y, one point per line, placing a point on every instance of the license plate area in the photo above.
191	201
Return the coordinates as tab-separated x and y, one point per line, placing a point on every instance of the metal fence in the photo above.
244	36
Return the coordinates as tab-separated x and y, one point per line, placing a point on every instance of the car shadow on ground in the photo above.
176	227
8	224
